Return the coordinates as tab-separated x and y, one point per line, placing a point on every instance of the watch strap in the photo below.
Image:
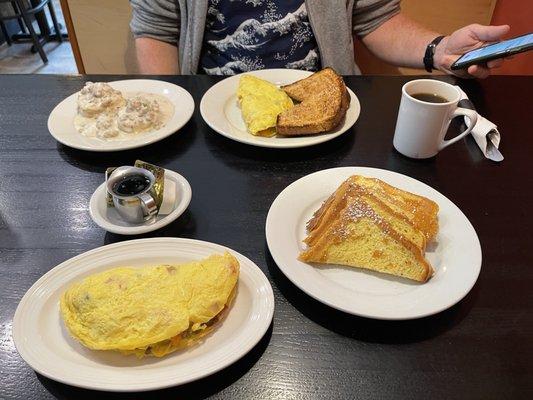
430	52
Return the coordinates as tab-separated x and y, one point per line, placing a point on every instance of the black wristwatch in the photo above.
430	52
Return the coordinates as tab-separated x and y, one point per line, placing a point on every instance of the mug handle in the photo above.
148	206
471	115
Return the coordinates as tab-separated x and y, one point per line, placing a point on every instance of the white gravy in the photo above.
104	126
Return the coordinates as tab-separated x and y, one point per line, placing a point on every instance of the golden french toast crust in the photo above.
318	214
423	211
412	214
337	202
318	253
412	234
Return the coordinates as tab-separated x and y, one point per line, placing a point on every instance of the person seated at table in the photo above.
226	37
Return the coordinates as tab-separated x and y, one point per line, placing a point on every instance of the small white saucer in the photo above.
108	218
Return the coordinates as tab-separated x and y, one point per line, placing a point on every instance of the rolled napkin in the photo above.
485	133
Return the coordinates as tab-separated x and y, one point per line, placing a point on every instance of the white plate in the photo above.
42	341
108	218
61	119
221	112
456	255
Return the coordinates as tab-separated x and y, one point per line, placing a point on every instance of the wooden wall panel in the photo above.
103	35
519	15
443	16
72	36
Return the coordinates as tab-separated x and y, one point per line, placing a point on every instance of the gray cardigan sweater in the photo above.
334	22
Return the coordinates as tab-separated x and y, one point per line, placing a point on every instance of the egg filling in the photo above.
150	310
261	102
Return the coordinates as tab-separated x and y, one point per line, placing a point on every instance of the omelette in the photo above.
152	310
261	102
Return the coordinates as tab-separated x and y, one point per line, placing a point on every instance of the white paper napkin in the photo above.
169	197
485	134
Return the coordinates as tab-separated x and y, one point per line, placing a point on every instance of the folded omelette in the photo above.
151	310
261	102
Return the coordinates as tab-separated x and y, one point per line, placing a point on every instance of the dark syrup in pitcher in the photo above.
131	185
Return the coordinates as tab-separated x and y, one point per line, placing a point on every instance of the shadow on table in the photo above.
341	146
10	240
184	226
199	389
366	329
157	153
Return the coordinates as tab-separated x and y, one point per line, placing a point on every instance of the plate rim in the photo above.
141	229
287	271
354	102
263	324
125	146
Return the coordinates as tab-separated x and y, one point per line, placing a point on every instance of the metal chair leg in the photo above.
4	32
54	21
19	20
34	37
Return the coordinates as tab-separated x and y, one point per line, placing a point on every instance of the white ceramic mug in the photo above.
421	125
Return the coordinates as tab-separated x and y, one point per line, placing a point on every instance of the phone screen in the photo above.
497	48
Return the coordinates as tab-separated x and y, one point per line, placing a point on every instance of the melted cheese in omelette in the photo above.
151	310
261	102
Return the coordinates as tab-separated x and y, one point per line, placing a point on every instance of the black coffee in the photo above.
430	97
131	185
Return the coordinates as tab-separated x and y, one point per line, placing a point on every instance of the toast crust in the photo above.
323	99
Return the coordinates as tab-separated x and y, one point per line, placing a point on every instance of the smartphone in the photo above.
496	50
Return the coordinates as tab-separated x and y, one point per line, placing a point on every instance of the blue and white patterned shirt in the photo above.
245	35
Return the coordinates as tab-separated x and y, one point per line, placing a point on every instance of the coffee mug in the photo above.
130	188
422	125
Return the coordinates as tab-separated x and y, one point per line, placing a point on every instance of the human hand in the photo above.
466	39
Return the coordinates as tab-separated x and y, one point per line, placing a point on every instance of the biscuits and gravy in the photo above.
109	114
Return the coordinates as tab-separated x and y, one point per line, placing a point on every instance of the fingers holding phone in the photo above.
482	71
462	50
476	71
492	55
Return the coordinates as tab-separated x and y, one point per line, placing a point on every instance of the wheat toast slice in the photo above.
323	103
308	87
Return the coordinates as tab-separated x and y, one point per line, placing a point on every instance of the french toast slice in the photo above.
323	99
359	236
397	221
419	211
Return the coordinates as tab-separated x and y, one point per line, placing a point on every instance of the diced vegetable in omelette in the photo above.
261	102
152	310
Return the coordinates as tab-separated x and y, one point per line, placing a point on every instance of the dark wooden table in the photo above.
479	349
